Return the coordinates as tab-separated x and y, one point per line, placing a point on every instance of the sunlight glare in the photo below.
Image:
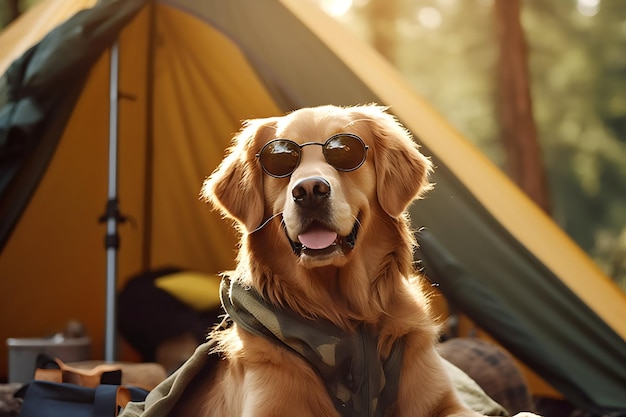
588	7
429	17
336	8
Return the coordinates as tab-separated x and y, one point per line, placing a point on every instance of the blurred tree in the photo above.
579	91
9	11
449	51
518	131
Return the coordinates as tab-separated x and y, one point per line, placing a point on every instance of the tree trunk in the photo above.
12	10
519	133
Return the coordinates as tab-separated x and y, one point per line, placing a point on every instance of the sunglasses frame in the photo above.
323	145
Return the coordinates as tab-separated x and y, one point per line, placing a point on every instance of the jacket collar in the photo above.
359	383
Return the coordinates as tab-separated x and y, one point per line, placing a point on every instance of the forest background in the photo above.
538	86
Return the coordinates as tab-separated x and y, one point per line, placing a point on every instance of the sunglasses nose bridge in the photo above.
312	150
312	160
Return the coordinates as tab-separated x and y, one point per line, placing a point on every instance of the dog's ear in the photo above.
236	186
401	170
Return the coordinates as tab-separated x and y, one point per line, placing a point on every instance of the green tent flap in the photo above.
524	334
190	72
38	91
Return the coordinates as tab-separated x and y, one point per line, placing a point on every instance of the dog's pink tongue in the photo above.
317	238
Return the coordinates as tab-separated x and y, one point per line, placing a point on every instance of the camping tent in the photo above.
189	72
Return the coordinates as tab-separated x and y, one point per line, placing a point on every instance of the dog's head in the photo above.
324	183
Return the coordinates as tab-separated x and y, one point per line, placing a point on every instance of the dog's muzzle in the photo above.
311	196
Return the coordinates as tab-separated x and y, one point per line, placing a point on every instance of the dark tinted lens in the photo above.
280	157
345	152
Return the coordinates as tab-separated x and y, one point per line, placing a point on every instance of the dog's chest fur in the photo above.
358	381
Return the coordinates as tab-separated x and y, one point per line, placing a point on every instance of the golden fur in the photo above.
370	284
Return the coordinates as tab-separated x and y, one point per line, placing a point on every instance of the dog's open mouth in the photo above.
319	240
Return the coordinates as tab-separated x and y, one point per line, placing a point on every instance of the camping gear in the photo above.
50	399
189	73
23	353
158	306
492	368
62	390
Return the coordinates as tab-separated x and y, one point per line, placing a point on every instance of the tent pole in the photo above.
112	214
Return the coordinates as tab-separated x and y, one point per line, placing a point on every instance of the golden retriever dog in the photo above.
320	197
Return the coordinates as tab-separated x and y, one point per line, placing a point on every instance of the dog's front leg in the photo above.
286	390
425	387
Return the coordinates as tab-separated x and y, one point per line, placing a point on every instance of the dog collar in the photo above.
359	383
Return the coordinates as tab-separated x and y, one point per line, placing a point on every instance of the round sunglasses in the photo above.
344	151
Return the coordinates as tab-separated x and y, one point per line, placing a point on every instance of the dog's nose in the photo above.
310	191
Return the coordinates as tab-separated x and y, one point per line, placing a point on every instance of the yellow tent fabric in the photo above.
53	268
